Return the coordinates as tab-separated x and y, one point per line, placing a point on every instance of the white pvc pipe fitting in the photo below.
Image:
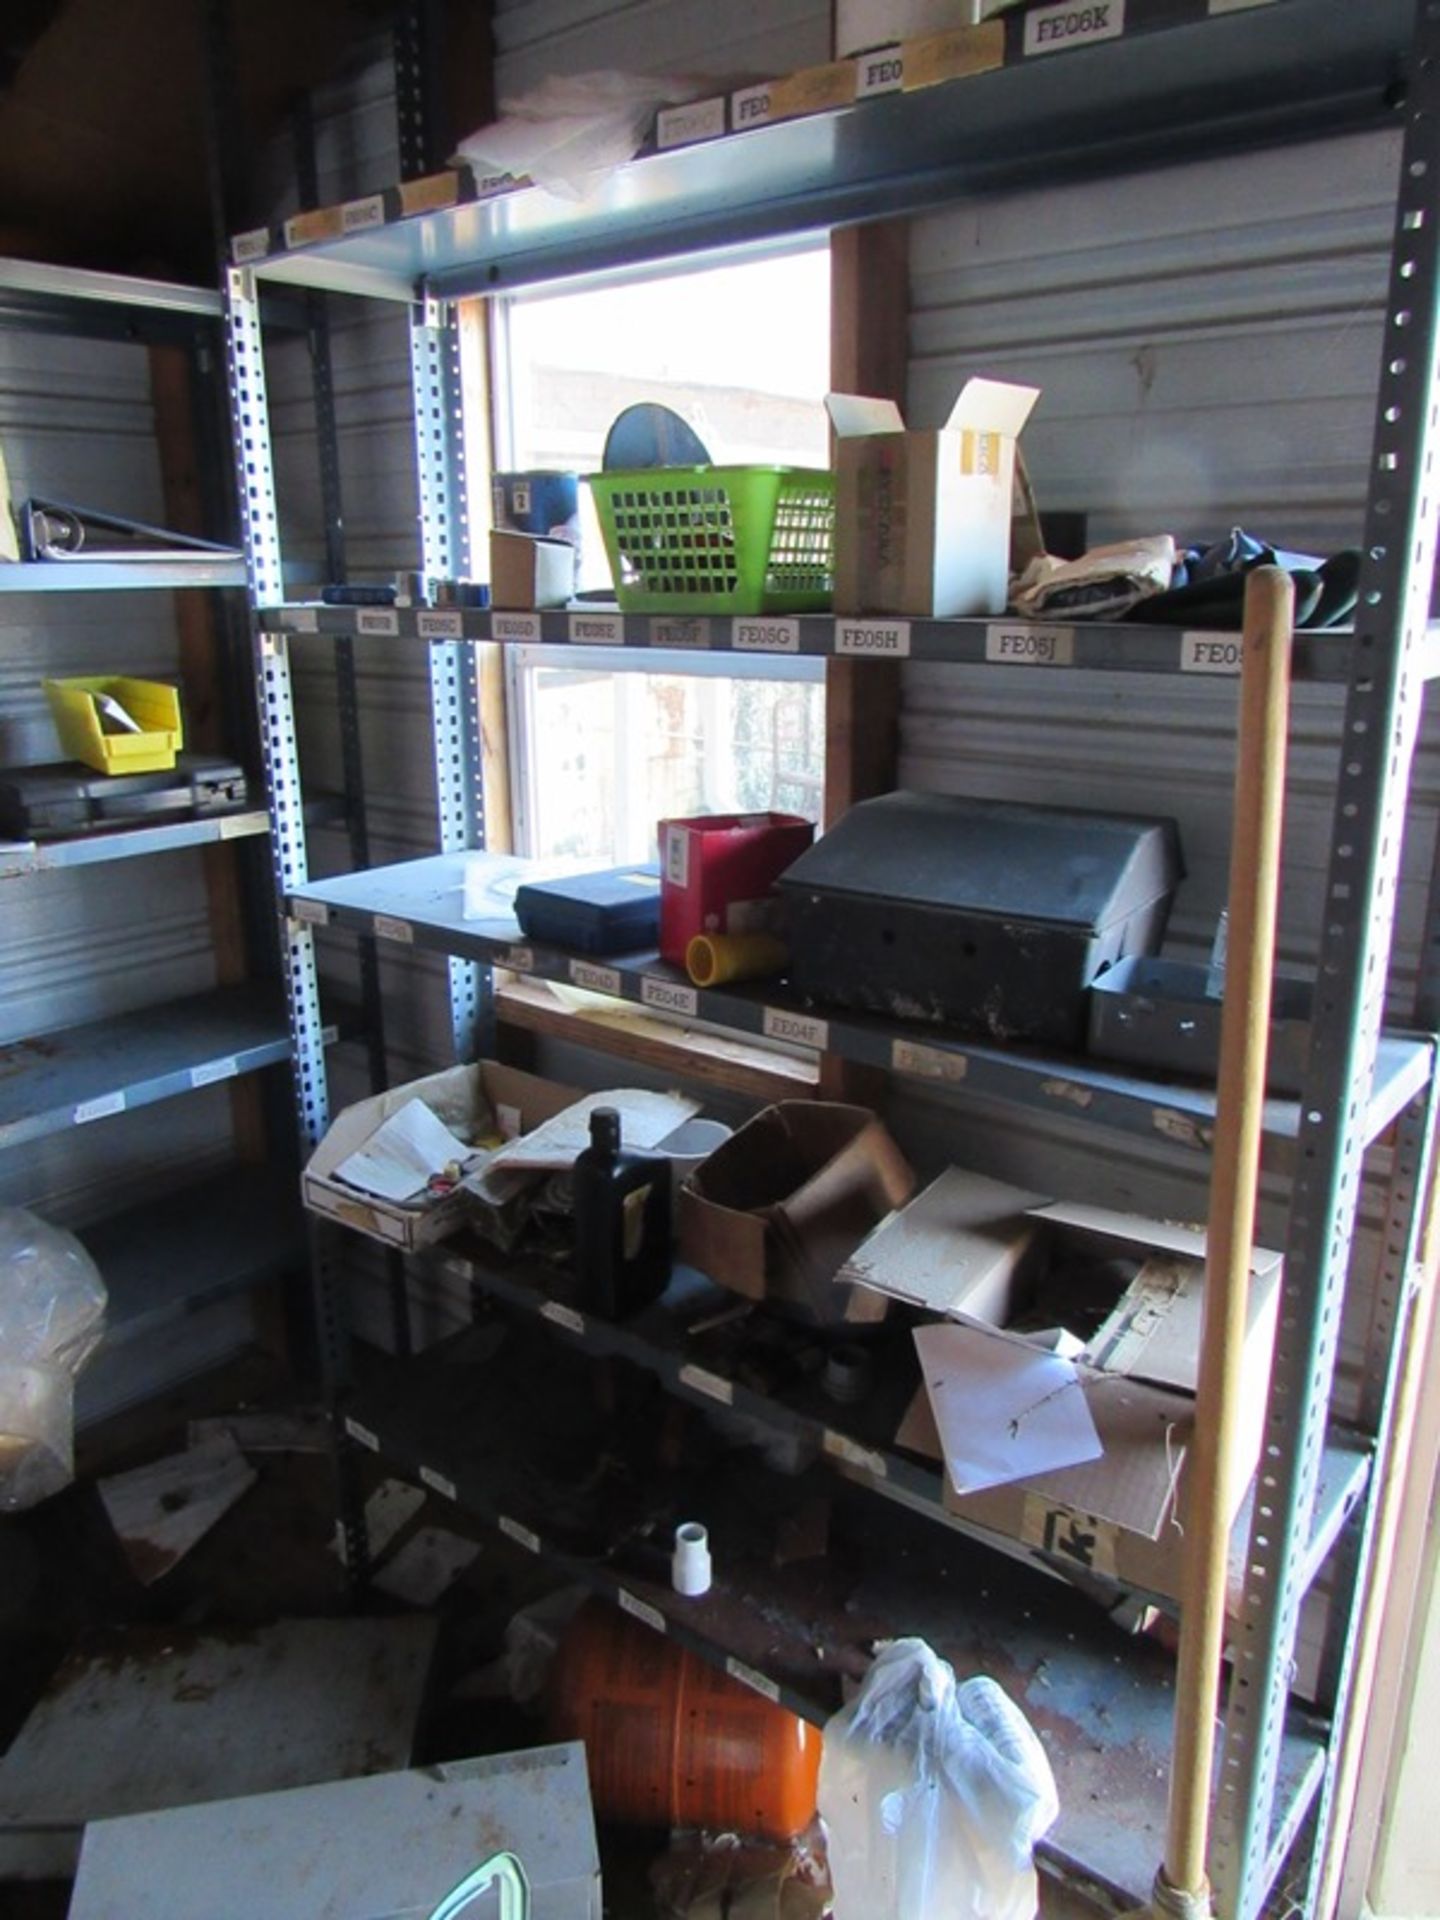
690	1565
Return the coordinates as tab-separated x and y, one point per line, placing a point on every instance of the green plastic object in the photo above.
719	539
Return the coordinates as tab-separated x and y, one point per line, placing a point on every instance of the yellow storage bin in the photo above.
83	732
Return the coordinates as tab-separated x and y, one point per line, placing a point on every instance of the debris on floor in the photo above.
161	1510
305	1430
388	1511
426	1566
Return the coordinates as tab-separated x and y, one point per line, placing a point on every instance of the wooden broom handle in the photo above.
1244	1033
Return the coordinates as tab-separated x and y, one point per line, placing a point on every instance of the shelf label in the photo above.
524	627
813	90
750	107
100	1108
429	193
840	1447
562	1316
320	223
681	636
214	1070
376	620
303	620
252	245
1071	24
356	216
362	1435
696	120
640	1610
522	1536
437	1483
237	826
1211	652
387	927
1024	645
748	1677
873	639
310	913
519	960
669	996
927	1063
442	625
765	636
1077	1538
800	1029
701	1380
597	630
880	72
955	54
584	973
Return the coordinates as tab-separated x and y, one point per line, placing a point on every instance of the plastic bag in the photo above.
52	1312
933	1796
573	129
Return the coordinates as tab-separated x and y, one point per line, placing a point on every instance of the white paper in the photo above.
645	1120
426	1565
1005	1411
390	1507
161	1510
400	1156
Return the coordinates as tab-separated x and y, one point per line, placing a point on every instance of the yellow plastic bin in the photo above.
83	731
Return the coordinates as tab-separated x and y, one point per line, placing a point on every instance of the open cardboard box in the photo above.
1120	1516
472	1101
778	1207
923	518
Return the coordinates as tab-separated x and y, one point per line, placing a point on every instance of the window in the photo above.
605	744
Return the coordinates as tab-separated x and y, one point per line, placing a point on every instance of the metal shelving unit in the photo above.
1181	79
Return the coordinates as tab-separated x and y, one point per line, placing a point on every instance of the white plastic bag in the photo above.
933	1796
573	129
52	1311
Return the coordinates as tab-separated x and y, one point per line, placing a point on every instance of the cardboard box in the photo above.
471	1101
1122	1516
530	570
716	872
923	518
779	1207
960	1246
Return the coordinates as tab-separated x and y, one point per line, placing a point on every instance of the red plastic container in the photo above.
672	1742
716	872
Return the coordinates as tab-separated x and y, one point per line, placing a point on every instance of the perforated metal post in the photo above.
1381	718
454	677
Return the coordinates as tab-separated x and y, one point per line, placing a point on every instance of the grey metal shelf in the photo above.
36	289
118	576
83	1073
512	1437
128	843
1117	647
421	903
1174	82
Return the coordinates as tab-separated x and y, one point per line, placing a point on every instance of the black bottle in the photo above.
622	1221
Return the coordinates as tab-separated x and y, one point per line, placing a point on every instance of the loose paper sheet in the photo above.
400	1156
1005	1411
645	1120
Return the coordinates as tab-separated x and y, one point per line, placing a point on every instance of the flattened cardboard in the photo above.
778	1207
956	1249
1005	1410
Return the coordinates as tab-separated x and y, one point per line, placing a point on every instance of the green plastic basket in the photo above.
719	539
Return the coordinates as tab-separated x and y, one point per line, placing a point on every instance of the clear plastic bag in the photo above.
933	1796
52	1313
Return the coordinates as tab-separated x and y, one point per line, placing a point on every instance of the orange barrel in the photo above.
672	1742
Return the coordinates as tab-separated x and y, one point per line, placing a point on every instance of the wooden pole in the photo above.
1254	886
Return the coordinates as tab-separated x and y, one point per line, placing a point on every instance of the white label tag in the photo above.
519	959
362	1435
873	639
357	215
683	636
748	1677
841	1447
437	1483
253	245
1079	1539
303	620
765	636
1211	652
100	1108
696	120
641	1610
212	1071
700	1380
1023	645
750	107
387	927
522	1536
236	826
562	1316
668	995
310	913
376	620
677	856
927	1063
801	1029
597	630
440	626
585	973
880	72
1073	24
524	627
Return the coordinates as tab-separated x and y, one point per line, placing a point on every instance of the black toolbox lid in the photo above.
1061	865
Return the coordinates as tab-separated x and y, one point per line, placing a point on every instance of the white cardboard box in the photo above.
923	517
